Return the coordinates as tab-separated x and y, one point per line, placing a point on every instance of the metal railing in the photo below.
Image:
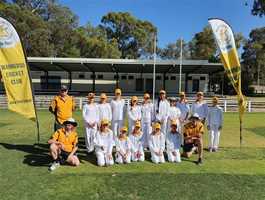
228	105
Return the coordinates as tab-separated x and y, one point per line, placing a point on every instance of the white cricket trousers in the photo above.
147	129
135	159
89	138
172	158
214	135
119	159
103	159
116	125
157	159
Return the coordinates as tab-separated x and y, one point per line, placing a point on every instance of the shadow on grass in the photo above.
38	154
258	130
3	124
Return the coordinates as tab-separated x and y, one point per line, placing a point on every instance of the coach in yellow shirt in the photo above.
62	106
63	145
192	132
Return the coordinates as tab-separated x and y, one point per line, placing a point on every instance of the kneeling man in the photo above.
63	145
193	137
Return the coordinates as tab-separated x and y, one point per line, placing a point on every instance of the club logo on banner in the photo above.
14	72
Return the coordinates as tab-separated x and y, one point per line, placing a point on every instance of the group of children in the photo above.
158	127
164	126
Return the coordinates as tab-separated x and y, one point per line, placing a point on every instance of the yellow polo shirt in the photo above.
69	142
193	131
62	107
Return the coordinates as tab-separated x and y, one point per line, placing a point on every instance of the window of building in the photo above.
100	76
166	77
158	77
116	77
130	77
92	76
123	77
202	78
189	78
173	78
81	76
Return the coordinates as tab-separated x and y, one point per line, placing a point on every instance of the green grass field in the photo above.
231	173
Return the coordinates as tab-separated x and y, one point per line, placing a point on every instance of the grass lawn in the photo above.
231	173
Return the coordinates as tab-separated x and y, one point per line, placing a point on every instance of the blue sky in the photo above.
173	18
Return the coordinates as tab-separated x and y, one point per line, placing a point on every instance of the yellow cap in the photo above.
146	96
91	95
200	93
134	98
215	99
162	92
117	91
174	123
157	126
138	124
124	129
182	94
104	122
103	96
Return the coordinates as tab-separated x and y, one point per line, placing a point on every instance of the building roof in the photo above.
122	65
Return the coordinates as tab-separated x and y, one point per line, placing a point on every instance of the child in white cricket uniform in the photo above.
200	107
123	147
157	144
136	138
118	112
173	114
214	124
134	113
184	108
162	111
91	120
147	118
104	108
103	144
173	143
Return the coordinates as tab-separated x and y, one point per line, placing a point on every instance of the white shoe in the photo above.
54	166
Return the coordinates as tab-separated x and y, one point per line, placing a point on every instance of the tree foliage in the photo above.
134	36
258	8
254	55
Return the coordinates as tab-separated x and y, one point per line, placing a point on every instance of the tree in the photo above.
33	31
254	56
172	50
93	43
134	36
258	8
62	24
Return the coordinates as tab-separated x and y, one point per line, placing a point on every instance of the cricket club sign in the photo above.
223	35
8	35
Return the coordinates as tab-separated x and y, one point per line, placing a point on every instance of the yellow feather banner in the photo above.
225	41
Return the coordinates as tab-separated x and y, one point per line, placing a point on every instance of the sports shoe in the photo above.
199	162
54	166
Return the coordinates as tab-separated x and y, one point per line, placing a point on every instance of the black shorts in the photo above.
63	156
187	147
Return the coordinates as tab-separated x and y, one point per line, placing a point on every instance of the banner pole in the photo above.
154	70
240	130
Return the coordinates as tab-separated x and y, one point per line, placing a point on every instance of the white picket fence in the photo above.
228	105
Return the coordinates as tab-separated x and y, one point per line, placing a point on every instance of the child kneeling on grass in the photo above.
192	132
157	144
63	145
123	147
173	141
104	144
137	141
